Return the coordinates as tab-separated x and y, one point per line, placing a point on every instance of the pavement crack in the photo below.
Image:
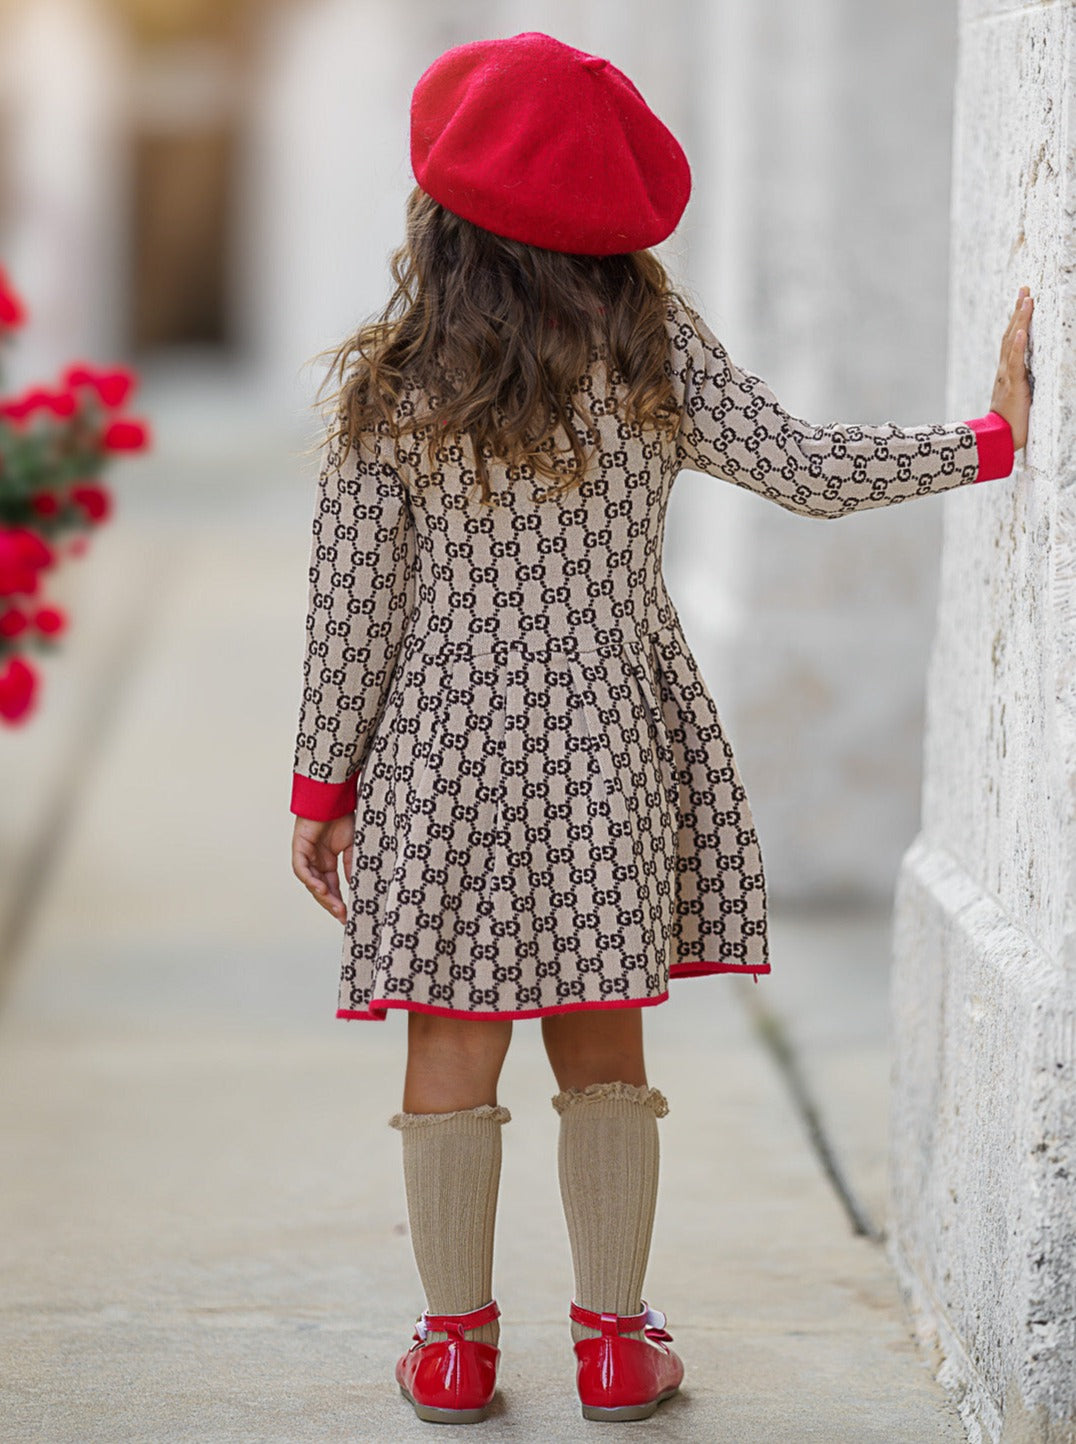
775	1038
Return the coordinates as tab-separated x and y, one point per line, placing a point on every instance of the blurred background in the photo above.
207	192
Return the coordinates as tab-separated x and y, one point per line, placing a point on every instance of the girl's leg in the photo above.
451	1131
453	1062
595	1045
607	1155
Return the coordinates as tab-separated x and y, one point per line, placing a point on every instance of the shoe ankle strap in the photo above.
456	1324
612	1324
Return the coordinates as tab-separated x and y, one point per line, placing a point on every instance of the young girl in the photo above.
502	728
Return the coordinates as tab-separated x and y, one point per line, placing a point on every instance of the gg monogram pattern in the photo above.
548	812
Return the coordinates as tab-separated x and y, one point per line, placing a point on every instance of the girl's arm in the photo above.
734	427
362	563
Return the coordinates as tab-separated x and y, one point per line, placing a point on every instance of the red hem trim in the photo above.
701	970
378	1009
322	801
993	436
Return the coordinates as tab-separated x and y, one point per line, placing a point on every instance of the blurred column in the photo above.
983	1162
63	226
327	174
817	251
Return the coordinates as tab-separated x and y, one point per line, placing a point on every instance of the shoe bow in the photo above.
654	1327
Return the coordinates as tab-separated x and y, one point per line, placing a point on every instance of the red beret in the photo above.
542	143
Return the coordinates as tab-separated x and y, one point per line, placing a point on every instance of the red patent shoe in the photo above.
621	1378
450	1381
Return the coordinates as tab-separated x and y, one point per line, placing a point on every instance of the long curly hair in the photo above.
489	339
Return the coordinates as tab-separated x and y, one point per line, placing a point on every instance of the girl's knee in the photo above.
595	1047
453	1062
595	1029
479	1039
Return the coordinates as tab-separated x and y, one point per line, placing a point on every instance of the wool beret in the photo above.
539	142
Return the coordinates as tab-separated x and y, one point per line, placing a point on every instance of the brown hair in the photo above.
496	335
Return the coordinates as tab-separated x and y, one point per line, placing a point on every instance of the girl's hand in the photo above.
1012	389
315	846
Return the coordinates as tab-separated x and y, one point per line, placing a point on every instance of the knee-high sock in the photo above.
607	1161
452	1172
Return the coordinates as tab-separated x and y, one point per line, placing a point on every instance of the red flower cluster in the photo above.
81	383
53	442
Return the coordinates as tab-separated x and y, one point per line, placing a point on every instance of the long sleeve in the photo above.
361	593
734	427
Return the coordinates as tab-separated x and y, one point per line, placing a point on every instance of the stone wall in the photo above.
983	1166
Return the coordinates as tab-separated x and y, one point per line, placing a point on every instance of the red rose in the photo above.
61	403
45	503
112	387
16	574
12	622
39	398
12	310
94	500
33	549
16	409
17	579
22	553
125	436
18	681
50	620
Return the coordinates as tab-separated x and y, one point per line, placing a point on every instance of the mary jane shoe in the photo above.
618	1378
450	1381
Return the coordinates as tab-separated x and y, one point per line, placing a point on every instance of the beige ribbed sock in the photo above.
452	1171
607	1160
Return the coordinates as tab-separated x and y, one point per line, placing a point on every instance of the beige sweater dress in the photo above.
548	814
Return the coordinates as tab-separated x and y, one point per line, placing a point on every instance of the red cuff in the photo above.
322	801
994	437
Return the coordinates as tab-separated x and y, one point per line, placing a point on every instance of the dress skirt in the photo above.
537	828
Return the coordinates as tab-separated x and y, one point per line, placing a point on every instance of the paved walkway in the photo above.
202	1224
